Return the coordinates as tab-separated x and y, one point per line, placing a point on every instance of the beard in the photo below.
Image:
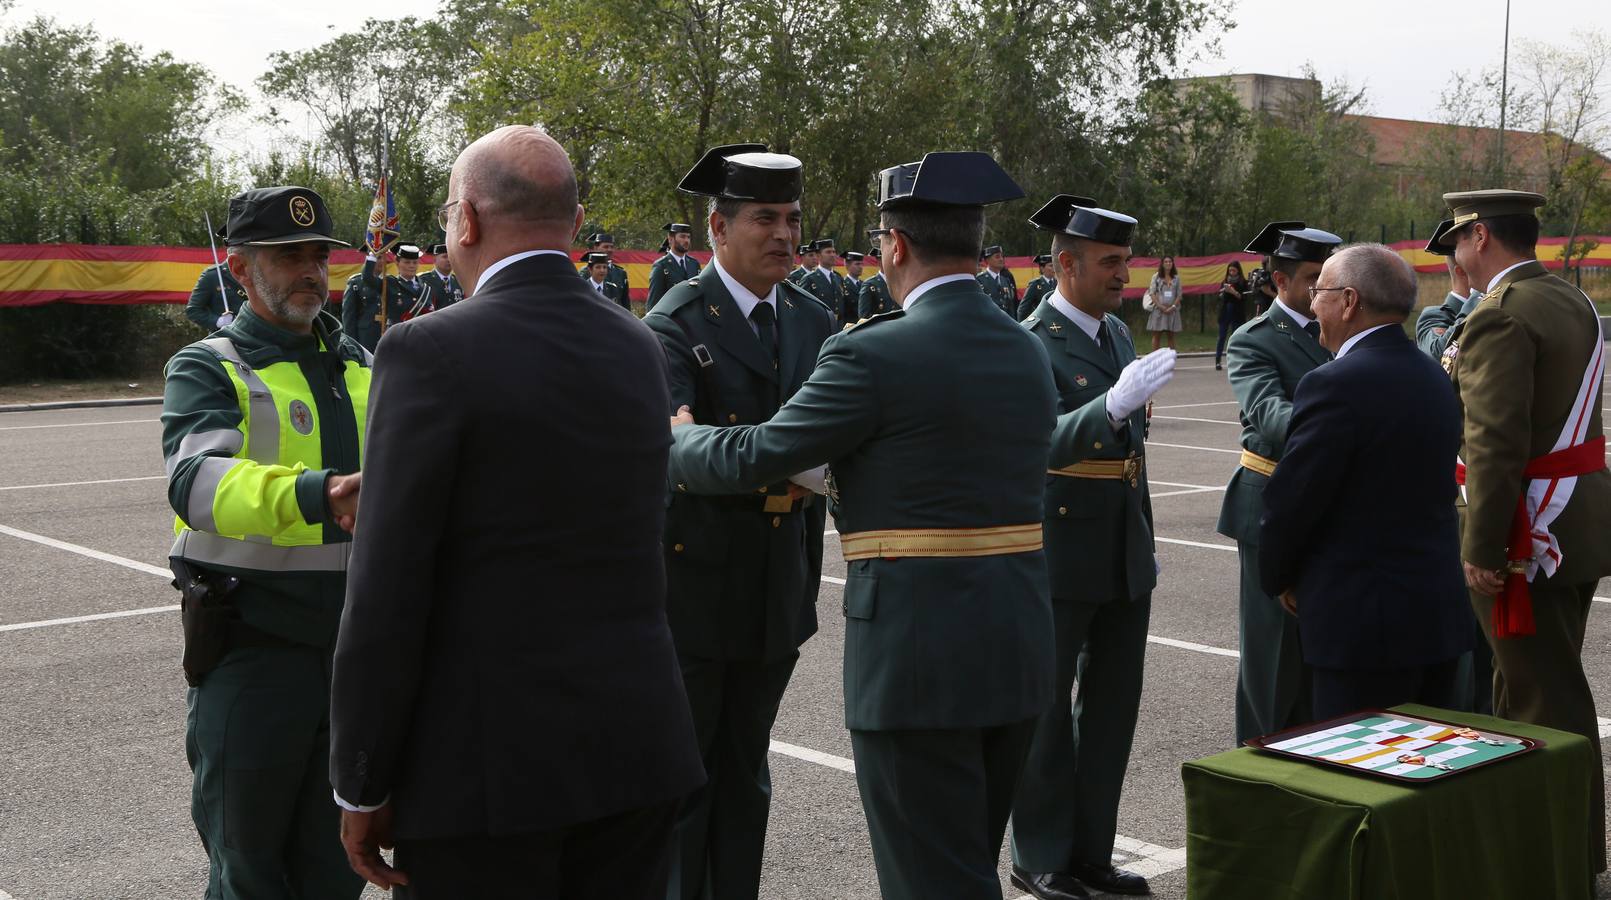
279	301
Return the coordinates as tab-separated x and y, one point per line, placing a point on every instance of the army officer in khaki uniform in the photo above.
1527	366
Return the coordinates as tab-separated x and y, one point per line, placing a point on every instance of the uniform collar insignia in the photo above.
714	311
1054	328
1281	325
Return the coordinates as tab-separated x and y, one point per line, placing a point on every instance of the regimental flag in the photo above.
383	230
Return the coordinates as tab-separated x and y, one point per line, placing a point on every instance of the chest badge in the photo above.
1081	381
1450	354
301	418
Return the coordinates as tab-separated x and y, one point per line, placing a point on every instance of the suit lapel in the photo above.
733	332
1076	342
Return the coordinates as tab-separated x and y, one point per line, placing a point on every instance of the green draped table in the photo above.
1264	827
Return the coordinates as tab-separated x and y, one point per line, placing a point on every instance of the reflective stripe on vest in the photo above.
205	548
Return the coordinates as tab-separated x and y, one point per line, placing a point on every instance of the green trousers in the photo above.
1539	679
721	827
937	804
258	739
1067	808
1272	680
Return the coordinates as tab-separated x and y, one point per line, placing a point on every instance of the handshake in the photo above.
811	481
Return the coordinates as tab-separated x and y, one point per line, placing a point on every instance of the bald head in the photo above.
511	191
518	174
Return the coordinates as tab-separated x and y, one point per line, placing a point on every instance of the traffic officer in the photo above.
1433	325
743	568
261	427
1528	365
875	298
948	645
367	292
1099	552
598	272
997	282
444	288
215	299
1266	357
1040	287
604	242
675	266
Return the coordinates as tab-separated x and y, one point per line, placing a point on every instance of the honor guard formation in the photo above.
543	655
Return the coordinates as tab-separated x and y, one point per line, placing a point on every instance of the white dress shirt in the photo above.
1495	282
508	261
1349	344
744	298
1302	320
917	292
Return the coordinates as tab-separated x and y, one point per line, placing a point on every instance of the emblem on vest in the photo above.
301	418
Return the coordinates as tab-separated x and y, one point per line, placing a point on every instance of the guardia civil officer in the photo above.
598	273
1040	287
821	280
1266	357
1099	552
948	646
1433	325
743	567
997	281
675	266
604	242
853	269
1528	365
875	298
215	299
808	263
260	426
442	284
361	300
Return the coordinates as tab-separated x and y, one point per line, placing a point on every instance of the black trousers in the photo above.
1338	692
1230	317
622	857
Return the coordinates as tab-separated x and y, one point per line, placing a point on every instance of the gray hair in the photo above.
726	208
1384	282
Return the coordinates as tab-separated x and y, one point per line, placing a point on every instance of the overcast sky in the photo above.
1402	52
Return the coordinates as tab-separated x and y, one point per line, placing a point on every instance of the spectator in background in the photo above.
1163	303
1231	292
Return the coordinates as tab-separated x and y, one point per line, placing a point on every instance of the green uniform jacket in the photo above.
616	276
742	583
207	299
1037	289
822	284
937	416
667	273
1099	544
1452	312
1517	362
200	403
1265	359
444	291
875	299
612	292
1003	291
360	304
796	276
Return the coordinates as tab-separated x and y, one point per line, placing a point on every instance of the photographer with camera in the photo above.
1233	289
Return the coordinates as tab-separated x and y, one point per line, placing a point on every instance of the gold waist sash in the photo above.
899	543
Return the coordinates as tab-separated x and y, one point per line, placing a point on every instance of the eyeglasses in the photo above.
442	212
873	234
1317	290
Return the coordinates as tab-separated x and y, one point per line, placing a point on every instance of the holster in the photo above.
207	616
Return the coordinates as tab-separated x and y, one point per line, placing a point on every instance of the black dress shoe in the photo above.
1110	880
1049	886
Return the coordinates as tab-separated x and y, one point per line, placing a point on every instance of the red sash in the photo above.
1513	607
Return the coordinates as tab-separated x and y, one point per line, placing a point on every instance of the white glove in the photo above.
225	319
1138	382
813	480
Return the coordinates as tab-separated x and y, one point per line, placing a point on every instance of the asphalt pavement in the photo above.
95	791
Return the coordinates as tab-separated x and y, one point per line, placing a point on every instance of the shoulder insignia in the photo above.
874	320
1031	321
800	292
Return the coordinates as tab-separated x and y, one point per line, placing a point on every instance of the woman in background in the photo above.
1163	296
1231	291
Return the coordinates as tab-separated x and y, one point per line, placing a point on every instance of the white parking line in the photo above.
1192	447
1182	484
1140	857
1190	419
1193	645
79	424
1200	544
1195	405
85	551
24	626
57	484
1202	490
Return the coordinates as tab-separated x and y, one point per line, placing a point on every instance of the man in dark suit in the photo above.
505	696
743	569
1359	537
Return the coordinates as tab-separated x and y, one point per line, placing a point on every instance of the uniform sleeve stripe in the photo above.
223	440
204	490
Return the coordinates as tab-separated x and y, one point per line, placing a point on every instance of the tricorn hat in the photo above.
745	172
1294	240
1081	217
949	178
